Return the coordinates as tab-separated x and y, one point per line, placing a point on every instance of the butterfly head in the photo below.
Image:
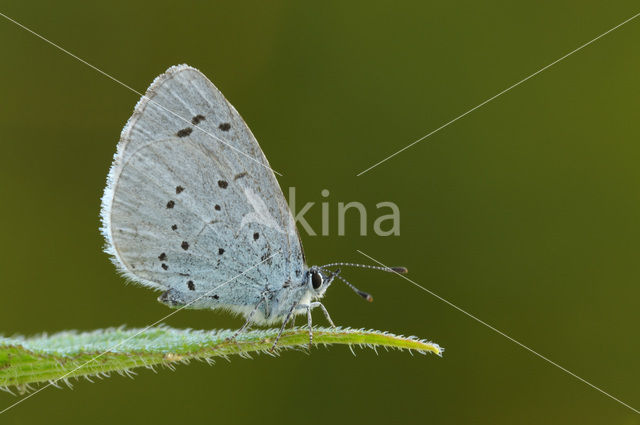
318	280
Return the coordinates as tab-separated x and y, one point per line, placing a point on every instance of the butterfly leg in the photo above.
324	310
309	319
310	325
249	317
284	323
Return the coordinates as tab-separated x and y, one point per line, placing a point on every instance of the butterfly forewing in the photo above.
191	201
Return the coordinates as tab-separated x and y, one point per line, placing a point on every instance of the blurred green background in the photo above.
525	212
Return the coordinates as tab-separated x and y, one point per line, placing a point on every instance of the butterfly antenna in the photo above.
363	294
401	270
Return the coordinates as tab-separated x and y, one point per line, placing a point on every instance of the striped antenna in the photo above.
366	266
363	294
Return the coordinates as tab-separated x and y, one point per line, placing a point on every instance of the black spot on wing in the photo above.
184	132
220	251
256	235
241	175
164	266
174	227
266	257
185	245
225	126
223	184
162	257
217	207
191	286
215	297
196	120
171	204
179	189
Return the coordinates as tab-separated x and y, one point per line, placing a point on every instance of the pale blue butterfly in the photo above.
193	209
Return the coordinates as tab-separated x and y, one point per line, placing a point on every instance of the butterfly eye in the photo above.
316	280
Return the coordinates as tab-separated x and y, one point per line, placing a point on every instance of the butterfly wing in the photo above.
191	201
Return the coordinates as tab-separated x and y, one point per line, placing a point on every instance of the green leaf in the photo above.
71	354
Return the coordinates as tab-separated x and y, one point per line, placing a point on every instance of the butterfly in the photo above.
193	209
